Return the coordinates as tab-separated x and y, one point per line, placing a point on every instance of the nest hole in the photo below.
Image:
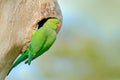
41	23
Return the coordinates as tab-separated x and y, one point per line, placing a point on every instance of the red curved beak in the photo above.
58	27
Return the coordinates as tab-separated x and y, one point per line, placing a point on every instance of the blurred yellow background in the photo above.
87	47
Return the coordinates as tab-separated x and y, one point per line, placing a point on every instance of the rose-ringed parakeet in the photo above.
41	41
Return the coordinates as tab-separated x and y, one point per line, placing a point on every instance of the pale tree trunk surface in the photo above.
17	20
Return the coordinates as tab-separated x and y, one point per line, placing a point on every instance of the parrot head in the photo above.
55	24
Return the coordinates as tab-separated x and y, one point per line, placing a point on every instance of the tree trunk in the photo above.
17	20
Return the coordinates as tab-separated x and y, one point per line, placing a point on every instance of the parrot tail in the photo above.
23	57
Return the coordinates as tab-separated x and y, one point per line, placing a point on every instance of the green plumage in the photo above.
41	41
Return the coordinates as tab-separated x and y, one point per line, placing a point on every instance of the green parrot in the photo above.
42	40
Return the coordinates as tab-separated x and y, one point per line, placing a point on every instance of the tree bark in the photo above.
17	20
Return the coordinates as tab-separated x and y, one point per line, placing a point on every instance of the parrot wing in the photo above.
36	43
50	39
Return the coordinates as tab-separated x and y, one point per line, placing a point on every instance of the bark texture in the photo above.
17	20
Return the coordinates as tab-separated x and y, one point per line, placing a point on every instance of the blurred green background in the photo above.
87	47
